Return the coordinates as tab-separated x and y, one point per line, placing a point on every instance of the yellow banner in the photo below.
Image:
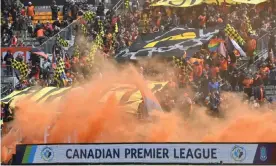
128	95
184	36
220	1
254	2
178	3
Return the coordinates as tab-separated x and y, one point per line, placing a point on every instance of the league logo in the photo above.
263	154
238	153
47	154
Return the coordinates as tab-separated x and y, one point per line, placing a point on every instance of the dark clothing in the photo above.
56	23
8	59
100	10
74	11
55	9
257	82
259	93
65	10
23	23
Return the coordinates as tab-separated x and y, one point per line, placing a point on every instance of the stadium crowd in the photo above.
206	72
18	23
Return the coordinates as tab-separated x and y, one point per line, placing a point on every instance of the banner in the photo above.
146	153
128	95
254	2
25	51
220	1
178	3
167	44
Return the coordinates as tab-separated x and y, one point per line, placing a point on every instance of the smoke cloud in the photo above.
82	118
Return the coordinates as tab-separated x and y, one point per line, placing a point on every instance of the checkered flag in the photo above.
232	33
59	69
21	67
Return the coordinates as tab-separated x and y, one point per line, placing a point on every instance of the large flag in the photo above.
150	101
174	42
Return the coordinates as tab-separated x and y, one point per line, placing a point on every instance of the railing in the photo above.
118	5
66	33
262	42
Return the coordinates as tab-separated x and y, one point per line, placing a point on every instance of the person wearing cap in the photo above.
31	10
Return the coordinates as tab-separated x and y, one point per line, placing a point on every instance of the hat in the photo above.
30	3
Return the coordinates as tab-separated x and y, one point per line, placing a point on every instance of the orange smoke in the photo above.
84	119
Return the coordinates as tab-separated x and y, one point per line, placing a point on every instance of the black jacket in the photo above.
54	8
8	58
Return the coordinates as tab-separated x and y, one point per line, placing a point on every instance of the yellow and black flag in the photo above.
59	75
22	67
232	33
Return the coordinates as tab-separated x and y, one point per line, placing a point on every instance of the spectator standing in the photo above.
31	10
74	11
14	14
55	9
48	29
23	24
100	10
65	10
56	26
14	41
40	35
8	59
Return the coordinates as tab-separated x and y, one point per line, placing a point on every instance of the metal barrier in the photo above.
118	5
262	43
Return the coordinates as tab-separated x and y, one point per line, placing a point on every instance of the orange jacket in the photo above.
30	11
224	64
40	33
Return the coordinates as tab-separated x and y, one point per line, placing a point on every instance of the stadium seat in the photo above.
44	17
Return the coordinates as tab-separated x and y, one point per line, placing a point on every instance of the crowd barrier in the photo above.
262	42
